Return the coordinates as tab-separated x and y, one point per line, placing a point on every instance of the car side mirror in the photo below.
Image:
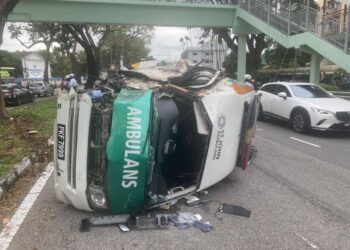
282	95
331	93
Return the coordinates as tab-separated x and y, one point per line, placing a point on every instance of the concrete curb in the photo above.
7	182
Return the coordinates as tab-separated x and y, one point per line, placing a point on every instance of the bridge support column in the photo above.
315	68
242	57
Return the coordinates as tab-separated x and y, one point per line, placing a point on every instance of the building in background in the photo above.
33	65
210	56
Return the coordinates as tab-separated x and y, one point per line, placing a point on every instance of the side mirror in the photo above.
331	93
282	95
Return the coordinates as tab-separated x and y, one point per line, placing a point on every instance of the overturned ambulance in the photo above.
154	136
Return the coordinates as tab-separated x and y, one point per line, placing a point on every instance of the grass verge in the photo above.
15	142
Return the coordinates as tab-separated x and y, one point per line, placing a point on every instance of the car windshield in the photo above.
309	91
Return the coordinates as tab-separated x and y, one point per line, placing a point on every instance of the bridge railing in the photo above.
227	2
333	30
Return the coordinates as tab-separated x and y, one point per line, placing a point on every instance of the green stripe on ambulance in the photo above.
127	150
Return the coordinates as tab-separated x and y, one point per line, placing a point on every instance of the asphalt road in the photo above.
298	194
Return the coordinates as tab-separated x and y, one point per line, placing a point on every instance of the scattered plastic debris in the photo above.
50	141
192	200
30	132
234	210
187	220
95	94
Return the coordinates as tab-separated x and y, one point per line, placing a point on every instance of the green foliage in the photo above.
276	56
340	73
295	4
8	60
329	87
130	42
37	33
230	65
15	143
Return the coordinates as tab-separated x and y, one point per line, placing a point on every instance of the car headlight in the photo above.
97	197
321	111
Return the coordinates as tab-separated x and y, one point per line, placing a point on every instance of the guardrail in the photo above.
344	95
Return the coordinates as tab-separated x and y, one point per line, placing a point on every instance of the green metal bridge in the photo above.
306	29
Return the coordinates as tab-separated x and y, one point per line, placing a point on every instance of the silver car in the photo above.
41	89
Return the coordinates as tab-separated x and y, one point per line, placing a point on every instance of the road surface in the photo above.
297	189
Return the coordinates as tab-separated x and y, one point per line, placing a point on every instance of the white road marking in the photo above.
307	241
10	230
306	142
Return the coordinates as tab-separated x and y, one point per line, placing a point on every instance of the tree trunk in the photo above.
74	66
46	70
6	6
2	26
3	112
92	67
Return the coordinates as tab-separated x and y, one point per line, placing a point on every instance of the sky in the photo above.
165	44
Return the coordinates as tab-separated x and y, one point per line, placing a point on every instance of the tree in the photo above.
91	38
44	33
130	42
9	60
230	65
256	43
277	56
68	47
6	7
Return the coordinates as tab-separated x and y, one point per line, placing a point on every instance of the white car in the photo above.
306	106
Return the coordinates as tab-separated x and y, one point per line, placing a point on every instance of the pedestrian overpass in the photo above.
306	29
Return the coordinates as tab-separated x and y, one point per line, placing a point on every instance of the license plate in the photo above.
61	141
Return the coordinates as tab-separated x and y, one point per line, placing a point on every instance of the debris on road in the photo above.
234	210
141	222
192	200
186	220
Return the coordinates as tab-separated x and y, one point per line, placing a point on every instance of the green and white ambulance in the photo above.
160	135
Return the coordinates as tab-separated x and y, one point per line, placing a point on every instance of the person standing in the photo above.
248	80
72	83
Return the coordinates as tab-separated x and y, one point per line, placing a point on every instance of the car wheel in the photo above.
300	121
261	116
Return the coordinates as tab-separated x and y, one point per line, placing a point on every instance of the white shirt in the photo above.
72	83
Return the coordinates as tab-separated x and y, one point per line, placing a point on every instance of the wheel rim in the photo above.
298	122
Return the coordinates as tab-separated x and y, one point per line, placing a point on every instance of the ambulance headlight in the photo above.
97	198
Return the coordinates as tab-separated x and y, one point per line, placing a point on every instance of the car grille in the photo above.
343	116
